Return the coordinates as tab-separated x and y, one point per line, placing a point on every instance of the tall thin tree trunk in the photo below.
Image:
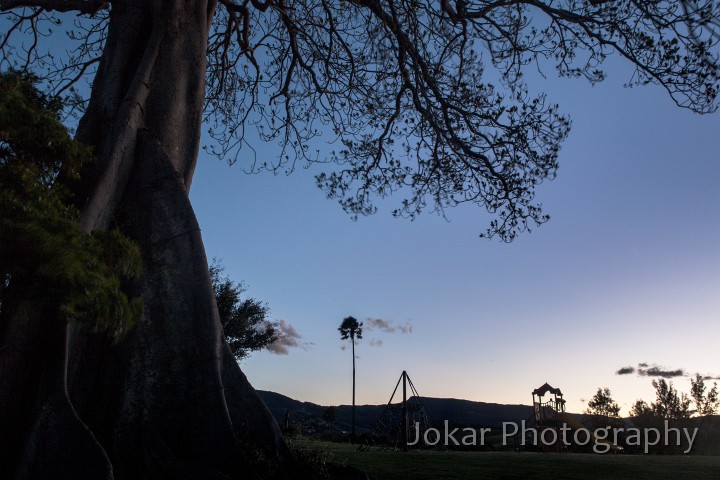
352	433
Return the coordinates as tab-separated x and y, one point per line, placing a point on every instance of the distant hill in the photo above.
457	412
308	418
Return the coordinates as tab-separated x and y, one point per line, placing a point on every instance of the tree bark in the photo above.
168	401
37	421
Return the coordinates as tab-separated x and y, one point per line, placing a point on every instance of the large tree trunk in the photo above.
169	401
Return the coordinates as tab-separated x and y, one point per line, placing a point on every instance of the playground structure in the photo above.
407	424
393	428
549	414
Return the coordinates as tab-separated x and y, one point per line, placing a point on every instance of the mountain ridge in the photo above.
467	413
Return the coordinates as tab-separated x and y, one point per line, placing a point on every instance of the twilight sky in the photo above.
626	272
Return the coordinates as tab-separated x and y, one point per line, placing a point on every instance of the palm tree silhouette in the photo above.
350	328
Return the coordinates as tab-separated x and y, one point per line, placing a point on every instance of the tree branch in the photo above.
83	6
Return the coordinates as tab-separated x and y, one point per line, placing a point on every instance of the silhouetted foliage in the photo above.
603	404
350	328
427	97
705	403
244	321
43	252
668	403
640	408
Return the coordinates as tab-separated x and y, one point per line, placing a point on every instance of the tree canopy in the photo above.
244	321
640	408
603	404
669	403
350	328
42	249
706	401
428	98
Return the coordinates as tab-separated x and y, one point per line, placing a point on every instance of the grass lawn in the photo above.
425	465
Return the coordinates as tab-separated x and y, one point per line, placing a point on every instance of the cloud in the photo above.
646	370
289	338
625	371
656	371
379	325
387	326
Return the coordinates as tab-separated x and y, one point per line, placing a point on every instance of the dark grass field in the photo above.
430	465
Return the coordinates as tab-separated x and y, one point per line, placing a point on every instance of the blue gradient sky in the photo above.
626	271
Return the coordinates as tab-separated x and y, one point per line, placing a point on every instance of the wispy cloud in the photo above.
387	326
647	370
656	371
625	371
289	338
382	326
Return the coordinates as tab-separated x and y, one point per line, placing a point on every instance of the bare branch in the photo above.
402	87
427	97
90	7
